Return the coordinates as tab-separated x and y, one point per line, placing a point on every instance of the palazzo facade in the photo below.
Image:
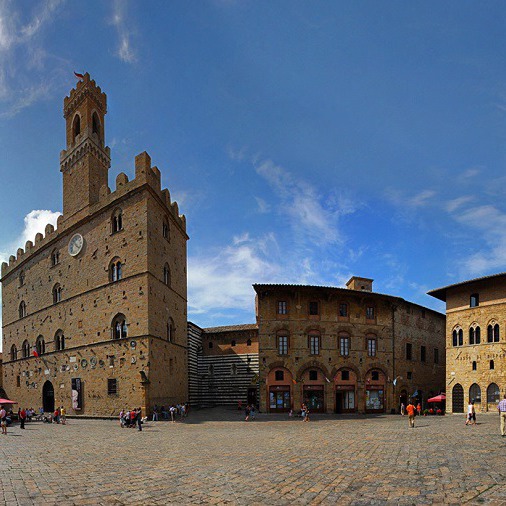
346	350
94	311
475	342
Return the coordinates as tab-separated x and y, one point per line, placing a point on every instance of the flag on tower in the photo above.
79	76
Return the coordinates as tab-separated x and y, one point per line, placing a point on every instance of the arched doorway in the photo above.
48	397
457	399
345	382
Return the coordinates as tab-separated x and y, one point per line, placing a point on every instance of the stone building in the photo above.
345	349
2	392
94	312
475	349
223	365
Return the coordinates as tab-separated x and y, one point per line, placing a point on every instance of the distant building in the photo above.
223	365
345	349
94	312
475	343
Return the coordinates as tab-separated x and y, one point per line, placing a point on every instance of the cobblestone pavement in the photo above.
217	458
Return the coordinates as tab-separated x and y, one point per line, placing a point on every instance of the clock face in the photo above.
76	244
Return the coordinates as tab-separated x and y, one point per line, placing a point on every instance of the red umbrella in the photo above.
438	398
7	401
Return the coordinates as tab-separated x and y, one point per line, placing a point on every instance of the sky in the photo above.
306	142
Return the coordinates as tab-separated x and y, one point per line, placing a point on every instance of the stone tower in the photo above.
86	161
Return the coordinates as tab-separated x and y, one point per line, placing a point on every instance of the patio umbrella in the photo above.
438	398
7	401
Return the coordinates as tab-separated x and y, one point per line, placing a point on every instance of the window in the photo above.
95	124
313	375
371	346
18	381
343	310
493	333
409	351
21	278
369	313
282	345
455	341
461	337
55	257
59	341
40	345
314	345
409	375
112	386
166	274
119	327
26	349
493	393
116	270
375	376
474	300
491	364
345	375
76	127
22	309
282	307
313	308
210	344
14	352
117	221
475	393
233	343
436	356
57	290
279	375
248	342
474	365
170	330
165	230
423	354
496	333
474	335
344	346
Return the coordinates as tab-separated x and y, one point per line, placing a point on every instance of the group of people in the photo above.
173	412
404	409
303	412
131	418
249	411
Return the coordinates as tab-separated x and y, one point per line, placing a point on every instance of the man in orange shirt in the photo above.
410	410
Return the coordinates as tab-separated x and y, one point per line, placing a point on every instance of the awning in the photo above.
438	398
7	401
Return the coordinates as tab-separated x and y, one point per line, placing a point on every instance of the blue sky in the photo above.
306	142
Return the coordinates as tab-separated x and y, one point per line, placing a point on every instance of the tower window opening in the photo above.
76	127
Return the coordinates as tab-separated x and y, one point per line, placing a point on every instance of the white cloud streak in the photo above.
125	52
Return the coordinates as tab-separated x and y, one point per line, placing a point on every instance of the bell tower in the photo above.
86	161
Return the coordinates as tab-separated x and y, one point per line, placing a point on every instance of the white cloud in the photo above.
313	216
125	51
263	206
453	205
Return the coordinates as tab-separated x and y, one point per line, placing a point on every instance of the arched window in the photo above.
119	327
40	345
117	221
475	393
76	127
170	330
57	290
166	274
455	340
59	341
474	335
21	278
95	124
493	333
115	270
493	394
26	349
22	309
496	333
461	337
55	257
14	352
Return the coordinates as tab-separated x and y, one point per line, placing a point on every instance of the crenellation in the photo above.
121	180
38	238
28	246
20	252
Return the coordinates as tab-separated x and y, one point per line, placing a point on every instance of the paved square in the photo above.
217	458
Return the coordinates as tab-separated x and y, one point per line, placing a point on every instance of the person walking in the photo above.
63	416
22	418
155	413
501	407
139	419
403	409
247	411
471	414
410	410
3	420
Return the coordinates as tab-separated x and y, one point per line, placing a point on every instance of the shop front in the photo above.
345	387
375	392
279	390
314	398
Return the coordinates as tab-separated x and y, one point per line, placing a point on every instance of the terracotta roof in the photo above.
440	293
231	328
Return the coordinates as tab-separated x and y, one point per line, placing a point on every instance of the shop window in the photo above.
474	300
112	386
313	375
282	307
313	308
345	375
279	375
